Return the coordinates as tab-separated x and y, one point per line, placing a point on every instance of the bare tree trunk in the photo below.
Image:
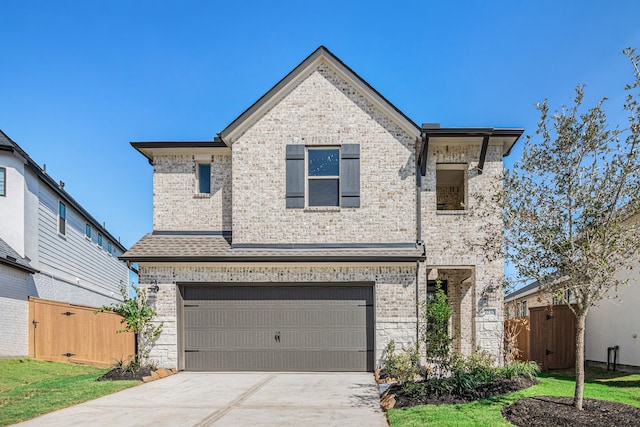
579	392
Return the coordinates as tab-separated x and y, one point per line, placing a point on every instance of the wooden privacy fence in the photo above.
65	332
516	337
553	336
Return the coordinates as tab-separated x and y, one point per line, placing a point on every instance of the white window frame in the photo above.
308	178
62	219
3	189
462	167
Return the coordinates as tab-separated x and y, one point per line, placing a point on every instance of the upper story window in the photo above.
518	310
525	313
99	239
451	186
62	218
87	230
204	177
323	176
109	247
3	181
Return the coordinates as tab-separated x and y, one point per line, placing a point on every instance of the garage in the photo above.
293	327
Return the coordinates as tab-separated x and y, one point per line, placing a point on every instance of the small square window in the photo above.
87	231
204	178
450	187
62	219
3	181
323	177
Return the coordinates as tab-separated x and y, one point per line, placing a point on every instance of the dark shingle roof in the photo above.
217	248
10	257
530	287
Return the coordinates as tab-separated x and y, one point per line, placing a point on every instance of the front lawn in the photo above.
29	388
599	384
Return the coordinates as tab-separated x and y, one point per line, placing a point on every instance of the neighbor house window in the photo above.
204	178
524	309
87	231
62	219
109	247
450	186
518	310
99	239
508	313
3	181
323	177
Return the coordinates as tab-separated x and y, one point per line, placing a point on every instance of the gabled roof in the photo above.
306	67
7	144
10	257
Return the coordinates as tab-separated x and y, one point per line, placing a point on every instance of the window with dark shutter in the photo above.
323	176
350	176
295	176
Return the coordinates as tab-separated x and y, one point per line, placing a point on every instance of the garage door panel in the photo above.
278	328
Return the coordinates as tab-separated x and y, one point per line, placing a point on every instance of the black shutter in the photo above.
350	175
295	176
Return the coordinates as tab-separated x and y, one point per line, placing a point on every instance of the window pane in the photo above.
100	239
63	211
324	162
323	192
3	173
87	230
204	177
450	189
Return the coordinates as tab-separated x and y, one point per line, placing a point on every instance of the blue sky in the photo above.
81	79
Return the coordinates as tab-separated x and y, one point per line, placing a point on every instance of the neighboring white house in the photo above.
50	248
616	321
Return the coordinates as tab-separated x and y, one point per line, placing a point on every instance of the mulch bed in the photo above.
117	374
497	388
547	411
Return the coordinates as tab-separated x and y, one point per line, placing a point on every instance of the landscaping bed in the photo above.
498	387
548	411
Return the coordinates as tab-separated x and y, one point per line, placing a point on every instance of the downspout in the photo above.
419	241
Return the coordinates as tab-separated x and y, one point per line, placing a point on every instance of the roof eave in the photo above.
18	266
260	258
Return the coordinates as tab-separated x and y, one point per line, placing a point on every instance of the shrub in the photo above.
435	331
403	365
530	369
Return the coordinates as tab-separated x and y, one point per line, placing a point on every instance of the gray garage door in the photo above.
284	328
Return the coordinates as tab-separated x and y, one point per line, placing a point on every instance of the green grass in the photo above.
29	388
599	384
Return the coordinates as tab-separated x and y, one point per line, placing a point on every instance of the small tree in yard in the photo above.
138	316
568	201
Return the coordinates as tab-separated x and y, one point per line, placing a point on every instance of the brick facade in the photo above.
325	108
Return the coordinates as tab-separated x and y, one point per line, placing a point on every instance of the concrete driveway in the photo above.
233	399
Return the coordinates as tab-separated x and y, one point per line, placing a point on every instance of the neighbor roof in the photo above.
158	247
8	256
525	290
7	144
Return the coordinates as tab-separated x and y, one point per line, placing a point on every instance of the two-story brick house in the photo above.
305	235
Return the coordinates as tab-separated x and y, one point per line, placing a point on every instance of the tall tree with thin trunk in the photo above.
568	204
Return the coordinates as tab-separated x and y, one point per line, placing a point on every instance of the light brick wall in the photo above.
324	110
394	296
176	203
455	239
14	312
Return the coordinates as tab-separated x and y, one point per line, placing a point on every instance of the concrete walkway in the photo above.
233	399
